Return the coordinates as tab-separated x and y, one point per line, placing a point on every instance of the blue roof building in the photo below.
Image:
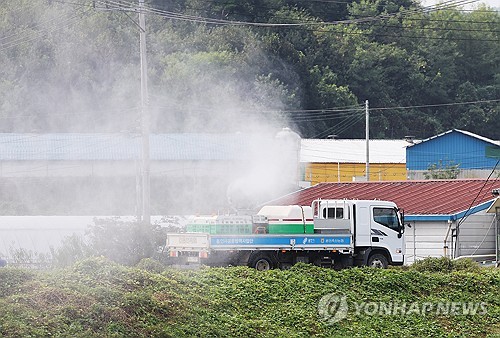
120	147
82	173
474	156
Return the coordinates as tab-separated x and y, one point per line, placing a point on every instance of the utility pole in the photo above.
143	190
367	133
146	194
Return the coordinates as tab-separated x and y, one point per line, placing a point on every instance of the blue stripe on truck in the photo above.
279	240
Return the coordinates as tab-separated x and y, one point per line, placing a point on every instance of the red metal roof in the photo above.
429	197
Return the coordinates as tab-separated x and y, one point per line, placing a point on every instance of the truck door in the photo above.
386	231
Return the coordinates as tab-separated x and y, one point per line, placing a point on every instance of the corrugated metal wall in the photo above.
463	174
451	148
426	239
477	235
345	172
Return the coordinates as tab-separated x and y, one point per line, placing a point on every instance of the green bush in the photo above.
466	264
445	264
123	242
151	265
100	298
11	280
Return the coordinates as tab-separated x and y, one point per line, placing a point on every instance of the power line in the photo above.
424	37
417	11
23	8
467	214
180	16
340	127
437	105
78	113
333	109
53	25
329	130
373	20
323	117
72	3
435	29
321	114
126	6
427	19
130	6
315	115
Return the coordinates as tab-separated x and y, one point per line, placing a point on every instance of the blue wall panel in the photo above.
450	148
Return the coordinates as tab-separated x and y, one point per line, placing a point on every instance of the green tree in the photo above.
70	67
441	170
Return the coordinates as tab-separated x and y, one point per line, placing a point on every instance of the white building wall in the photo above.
477	235
23	169
427	239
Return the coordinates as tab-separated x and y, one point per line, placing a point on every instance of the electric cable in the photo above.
477	196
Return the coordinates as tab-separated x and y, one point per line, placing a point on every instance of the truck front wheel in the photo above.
378	261
262	262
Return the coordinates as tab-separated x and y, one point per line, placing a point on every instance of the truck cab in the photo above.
377	228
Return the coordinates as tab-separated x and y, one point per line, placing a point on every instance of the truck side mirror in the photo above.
401	231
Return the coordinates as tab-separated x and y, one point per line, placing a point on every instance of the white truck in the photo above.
329	233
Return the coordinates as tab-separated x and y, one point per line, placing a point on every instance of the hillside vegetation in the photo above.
218	65
98	298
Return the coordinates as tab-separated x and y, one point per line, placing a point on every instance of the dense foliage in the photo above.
123	242
215	66
97	298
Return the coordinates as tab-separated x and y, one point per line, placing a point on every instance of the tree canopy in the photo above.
228	65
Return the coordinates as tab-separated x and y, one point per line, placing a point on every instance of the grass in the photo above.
99	298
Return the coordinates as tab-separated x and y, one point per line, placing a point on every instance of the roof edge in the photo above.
463	132
452	217
428	218
473	210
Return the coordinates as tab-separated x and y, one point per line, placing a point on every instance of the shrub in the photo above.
151	265
120	241
466	264
12	279
445	264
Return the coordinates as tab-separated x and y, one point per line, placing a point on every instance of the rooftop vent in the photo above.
410	139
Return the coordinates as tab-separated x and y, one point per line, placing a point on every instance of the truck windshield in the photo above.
387	217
